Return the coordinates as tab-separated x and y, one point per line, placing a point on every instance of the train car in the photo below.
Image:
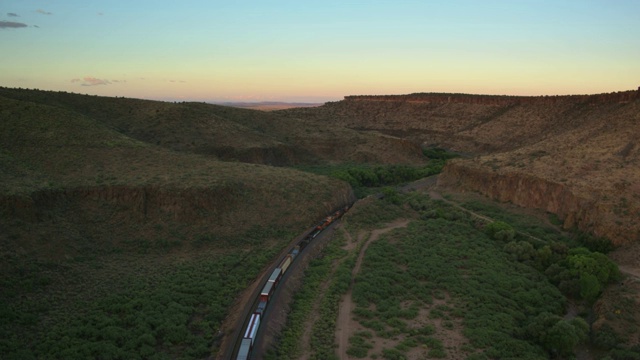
326	222
252	328
250	332
275	276
304	242
262	305
316	233
265	294
245	349
284	265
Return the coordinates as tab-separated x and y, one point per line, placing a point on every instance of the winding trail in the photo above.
436	196
344	322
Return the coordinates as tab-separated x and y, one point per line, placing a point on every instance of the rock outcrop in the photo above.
574	155
502	100
583	211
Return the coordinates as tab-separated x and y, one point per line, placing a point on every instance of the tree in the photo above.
500	230
391	195
589	287
594	270
520	250
565	335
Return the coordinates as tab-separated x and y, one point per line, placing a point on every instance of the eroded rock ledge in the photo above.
443	98
615	97
219	206
586	213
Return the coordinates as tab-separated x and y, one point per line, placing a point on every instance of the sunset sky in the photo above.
316	51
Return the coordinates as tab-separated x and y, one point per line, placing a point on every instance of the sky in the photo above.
317	51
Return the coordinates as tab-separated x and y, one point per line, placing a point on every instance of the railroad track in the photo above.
256	315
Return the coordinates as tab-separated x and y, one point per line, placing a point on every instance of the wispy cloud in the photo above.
11	25
90	81
12	15
43	12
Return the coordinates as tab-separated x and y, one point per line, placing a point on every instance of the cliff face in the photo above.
218	206
141	202
502	100
54	224
477	124
583	211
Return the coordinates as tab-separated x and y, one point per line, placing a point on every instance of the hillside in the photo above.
227	133
93	219
574	156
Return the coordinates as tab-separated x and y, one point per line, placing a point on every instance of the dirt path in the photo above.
628	259
306	352
436	196
631	271
344	322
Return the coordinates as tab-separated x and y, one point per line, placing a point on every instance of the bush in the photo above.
391	195
594	243
520	250
565	335
605	337
438	153
393	354
359	347
499	230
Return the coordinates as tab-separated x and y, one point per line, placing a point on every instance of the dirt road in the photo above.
344	322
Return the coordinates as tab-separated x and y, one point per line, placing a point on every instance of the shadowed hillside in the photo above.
99	227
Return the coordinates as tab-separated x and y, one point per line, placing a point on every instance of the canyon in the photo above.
97	193
575	156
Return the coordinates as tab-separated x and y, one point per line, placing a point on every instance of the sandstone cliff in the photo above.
576	207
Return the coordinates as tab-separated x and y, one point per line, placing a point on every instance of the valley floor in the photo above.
449	340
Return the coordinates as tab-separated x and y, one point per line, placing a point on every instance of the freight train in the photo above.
249	333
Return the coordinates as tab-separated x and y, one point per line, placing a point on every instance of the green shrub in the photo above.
393	354
594	243
438	153
605	338
437	353
564	336
359	347
500	230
